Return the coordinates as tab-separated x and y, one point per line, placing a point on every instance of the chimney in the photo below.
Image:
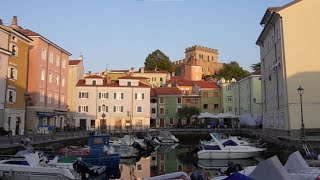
14	23
89	72
142	70
1	23
81	57
109	80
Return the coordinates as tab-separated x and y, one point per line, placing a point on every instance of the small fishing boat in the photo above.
226	151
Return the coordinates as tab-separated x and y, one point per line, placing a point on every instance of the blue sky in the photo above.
121	33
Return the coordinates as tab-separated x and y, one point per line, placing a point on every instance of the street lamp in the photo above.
103	123
300	92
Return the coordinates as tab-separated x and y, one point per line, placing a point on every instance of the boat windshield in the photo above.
18	162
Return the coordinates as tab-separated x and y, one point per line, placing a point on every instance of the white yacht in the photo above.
220	151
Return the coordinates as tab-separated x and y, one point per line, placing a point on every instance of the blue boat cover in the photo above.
229	143
238	176
211	147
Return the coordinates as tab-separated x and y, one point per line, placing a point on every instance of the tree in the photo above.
158	60
232	70
187	112
256	66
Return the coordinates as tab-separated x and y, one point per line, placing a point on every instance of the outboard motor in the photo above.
81	167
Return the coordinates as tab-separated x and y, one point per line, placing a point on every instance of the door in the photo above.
161	122
118	124
83	123
18	125
103	123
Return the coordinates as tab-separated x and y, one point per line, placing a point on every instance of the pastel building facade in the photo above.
4	56
155	78
227	95
169	101
16	85
47	83
210	100
247	100
75	73
289	44
103	104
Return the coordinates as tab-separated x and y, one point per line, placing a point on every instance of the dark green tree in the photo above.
158	60
256	66
187	112
232	70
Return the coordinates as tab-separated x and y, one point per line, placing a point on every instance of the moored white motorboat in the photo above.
35	166
220	151
222	138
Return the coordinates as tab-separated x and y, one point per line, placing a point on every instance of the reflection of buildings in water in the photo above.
137	170
167	159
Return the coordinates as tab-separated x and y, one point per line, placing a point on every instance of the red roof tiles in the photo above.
93	77
132	77
167	91
206	84
74	62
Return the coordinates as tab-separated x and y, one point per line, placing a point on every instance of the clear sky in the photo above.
121	33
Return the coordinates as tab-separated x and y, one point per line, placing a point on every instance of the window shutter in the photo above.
106	108
115	95
135	96
14	96
16	74
121	95
142	95
114	108
99	95
86	108
87	95
79	108
121	108
107	95
79	94
99	108
9	72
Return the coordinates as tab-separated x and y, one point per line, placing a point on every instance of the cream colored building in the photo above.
104	104
4	56
155	78
227	95
289	50
75	73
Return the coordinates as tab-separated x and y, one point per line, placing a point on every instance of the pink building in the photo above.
47	83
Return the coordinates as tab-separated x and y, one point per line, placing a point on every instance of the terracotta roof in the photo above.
206	84
93	77
28	32
152	93
257	72
167	91
180	81
132	77
119	71
74	62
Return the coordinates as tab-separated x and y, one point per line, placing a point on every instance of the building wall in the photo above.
4	36
16	110
193	73
245	91
40	90
227	97
170	106
128	102
154	78
296	42
75	73
210	100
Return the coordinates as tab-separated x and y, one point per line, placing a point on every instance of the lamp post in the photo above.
300	92
259	103
103	123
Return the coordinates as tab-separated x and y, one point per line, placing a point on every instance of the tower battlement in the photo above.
203	48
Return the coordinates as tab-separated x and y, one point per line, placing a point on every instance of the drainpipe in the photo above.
250	96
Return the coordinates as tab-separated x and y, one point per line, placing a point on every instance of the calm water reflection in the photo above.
168	159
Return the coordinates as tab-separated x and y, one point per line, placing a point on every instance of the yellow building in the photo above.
16	93
155	78
289	50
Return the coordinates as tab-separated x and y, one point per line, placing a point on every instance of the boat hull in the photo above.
220	154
